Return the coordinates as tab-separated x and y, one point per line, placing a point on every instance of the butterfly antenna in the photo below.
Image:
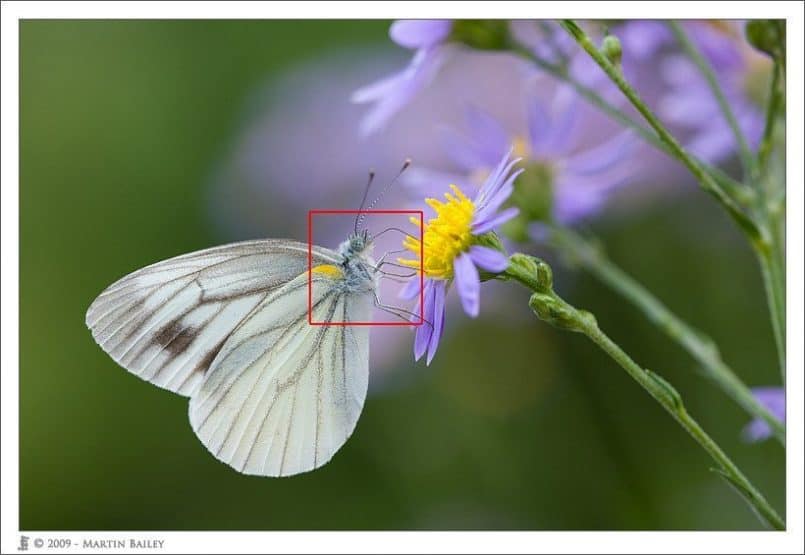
405	166
363	200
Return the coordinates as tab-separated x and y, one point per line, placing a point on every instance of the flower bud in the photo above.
767	35
552	309
611	48
492	241
535	268
670	391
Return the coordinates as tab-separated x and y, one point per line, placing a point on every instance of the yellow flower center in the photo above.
445	236
521	147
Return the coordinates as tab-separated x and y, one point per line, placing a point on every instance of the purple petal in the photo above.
489	205
574	203
421	340
720	47
491	137
425	330
378	89
389	97
439	291
577	196
756	430
601	157
679	70
714	139
487	225
494	177
468	284
420	33
693	107
546	39
392	93
462	151
643	38
410	291
539	125
712	144
773	398
566	106
488	259
495	180
426	182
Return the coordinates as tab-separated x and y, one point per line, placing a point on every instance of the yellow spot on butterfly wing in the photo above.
328	270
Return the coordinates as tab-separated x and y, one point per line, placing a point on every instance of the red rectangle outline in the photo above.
310	214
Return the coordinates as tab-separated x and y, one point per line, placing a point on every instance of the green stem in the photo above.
547	305
699	346
771	208
706	181
746	156
772	113
774	283
735	189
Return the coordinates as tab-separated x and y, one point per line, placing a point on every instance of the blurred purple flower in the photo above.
691	105
671	84
641	39
773	398
642	42
390	94
687	103
545	39
451	252
553	144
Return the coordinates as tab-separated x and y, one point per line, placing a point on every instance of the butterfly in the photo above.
270	394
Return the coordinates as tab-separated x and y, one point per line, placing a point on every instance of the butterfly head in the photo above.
359	245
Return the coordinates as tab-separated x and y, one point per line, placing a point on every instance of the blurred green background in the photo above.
514	426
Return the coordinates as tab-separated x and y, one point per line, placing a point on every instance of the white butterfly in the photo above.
228	327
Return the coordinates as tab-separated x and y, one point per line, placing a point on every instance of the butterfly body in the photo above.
228	327
359	272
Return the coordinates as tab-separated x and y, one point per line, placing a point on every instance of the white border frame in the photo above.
791	541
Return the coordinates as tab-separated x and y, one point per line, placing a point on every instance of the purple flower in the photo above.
773	398
670	82
555	149
452	251
687	102
390	94
675	89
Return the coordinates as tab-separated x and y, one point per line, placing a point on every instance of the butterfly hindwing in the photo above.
282	396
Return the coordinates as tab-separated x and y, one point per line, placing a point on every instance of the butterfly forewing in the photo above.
166	322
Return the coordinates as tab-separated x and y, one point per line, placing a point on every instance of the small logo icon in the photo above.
39	542
23	543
